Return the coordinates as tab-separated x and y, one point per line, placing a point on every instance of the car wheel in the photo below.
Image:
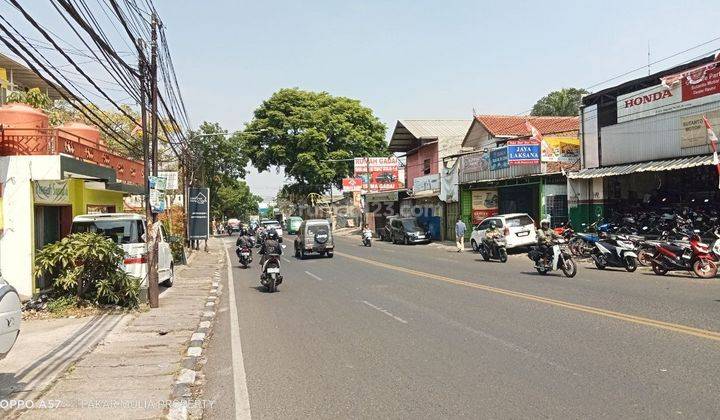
171	279
474	246
330	254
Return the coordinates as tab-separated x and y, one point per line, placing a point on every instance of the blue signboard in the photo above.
499	159
523	153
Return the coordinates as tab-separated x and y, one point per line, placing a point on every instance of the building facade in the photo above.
503	175
430	147
645	146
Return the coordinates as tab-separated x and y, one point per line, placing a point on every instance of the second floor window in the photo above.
426	167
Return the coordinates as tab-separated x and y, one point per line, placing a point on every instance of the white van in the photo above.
128	231
518	228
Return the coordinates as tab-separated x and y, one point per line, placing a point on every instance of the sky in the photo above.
418	59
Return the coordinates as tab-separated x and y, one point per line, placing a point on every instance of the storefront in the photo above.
381	205
645	145
40	196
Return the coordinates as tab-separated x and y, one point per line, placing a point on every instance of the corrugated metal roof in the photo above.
652	166
408	132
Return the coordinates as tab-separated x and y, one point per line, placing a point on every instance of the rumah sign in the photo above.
382	175
352	184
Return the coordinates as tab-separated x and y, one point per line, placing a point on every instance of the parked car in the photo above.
292	224
128	231
314	236
386	231
407	231
10	316
518	228
272	224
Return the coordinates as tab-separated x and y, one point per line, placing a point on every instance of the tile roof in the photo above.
514	125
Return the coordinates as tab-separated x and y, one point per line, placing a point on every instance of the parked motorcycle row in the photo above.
675	244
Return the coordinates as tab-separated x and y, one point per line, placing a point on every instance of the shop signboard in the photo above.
449	183
51	192
484	204
199	211
558	153
352	184
380	197
693	132
499	159
523	152
476	162
171	179
157	193
685	90
426	183
383	172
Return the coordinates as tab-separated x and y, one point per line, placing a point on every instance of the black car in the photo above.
407	231
386	231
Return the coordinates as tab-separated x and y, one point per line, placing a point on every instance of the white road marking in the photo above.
385	311
242	398
313	276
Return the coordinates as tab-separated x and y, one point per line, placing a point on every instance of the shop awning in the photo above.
426	194
652	166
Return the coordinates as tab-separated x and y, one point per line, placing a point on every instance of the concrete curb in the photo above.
191	364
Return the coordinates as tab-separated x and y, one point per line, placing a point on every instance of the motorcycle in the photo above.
367	238
560	259
245	255
494	248
696	257
270	277
615	253
252	241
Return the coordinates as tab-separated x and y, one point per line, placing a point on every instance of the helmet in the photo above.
272	234
492	224
545	223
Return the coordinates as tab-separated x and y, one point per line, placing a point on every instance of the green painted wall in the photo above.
466	209
81	197
586	213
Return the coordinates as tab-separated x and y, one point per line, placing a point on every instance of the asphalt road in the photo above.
420	331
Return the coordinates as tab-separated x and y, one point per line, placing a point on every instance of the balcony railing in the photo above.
22	141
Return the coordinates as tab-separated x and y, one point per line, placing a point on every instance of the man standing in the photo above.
460	235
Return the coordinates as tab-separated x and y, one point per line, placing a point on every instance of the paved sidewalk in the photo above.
131	373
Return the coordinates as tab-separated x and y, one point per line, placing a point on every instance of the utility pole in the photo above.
153	287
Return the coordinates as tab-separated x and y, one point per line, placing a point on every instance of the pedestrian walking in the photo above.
460	235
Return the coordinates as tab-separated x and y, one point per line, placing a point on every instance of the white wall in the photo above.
589	150
17	244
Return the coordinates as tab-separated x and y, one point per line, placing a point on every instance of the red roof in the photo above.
514	125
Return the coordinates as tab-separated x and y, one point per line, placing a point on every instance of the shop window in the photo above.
426	167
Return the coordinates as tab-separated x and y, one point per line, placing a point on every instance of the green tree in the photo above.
234	199
218	161
562	103
302	130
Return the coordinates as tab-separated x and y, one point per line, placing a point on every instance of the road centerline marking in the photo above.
668	326
242	397
313	276
385	311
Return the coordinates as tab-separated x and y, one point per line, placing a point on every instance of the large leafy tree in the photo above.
304	131
218	162
563	103
234	199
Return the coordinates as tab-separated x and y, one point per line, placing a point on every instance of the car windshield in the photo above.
518	221
410	225
314	229
120	231
271	224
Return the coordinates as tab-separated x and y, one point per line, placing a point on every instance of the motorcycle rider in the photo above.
545	238
366	231
491	233
243	241
271	245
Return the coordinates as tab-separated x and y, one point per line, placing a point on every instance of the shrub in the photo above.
87	266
